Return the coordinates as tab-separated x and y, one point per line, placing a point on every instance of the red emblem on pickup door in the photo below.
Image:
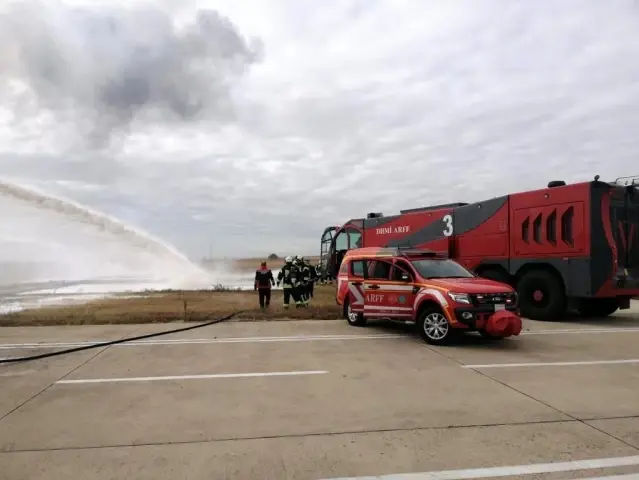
392	299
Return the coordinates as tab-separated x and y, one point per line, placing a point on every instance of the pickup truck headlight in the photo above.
460	297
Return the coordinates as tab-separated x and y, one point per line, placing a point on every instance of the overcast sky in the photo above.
251	125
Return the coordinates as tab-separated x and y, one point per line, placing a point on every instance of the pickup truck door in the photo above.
384	297
404	280
355	285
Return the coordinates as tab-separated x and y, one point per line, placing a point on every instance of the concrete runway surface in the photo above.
322	400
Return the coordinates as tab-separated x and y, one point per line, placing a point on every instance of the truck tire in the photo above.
541	296
354	319
597	307
434	327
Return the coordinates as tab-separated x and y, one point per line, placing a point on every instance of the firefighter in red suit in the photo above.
263	282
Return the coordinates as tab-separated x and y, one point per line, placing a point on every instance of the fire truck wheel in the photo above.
434	327
353	318
541	296
597	307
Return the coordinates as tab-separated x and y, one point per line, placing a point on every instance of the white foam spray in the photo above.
109	249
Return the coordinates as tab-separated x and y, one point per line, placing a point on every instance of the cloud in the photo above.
354	107
106	65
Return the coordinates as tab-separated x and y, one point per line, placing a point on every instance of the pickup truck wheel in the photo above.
541	296
434	327
353	318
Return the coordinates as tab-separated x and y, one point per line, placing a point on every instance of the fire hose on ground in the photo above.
115	342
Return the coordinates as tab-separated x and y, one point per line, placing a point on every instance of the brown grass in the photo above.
176	306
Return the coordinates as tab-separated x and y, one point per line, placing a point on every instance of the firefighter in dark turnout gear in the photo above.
263	282
289	277
314	276
319	272
305	273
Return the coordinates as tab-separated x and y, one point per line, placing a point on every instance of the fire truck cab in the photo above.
566	246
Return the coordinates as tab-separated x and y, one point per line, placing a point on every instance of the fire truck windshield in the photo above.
432	268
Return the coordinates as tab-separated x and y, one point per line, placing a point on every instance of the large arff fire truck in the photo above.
563	247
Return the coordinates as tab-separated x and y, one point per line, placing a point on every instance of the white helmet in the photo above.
298	257
288	259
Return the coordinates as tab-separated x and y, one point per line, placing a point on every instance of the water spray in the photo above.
194	276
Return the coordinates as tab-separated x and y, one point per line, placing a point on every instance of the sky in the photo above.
247	127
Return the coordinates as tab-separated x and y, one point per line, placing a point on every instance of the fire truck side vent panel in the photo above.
537	229
551	227
566	226
525	230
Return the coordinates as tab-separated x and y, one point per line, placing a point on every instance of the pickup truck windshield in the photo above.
440	269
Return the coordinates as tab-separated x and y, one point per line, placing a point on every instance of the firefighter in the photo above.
299	289
263	282
289	277
305	273
313	280
319	273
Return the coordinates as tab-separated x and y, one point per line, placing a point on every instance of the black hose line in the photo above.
115	342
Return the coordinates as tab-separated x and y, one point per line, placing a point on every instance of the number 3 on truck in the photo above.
448	221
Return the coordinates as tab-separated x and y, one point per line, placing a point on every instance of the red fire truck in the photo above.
563	247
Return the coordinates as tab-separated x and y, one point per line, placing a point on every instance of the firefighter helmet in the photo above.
288	259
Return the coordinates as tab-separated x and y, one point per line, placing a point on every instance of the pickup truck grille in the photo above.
493	298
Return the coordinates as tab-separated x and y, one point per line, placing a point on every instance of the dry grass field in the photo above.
181	306
189	306
250	264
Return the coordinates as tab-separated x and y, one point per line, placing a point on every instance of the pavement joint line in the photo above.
22	404
580	330
298	435
191	377
553	364
77	367
531	397
624	476
614	417
187	341
512	470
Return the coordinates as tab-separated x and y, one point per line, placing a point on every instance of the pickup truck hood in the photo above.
470	285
